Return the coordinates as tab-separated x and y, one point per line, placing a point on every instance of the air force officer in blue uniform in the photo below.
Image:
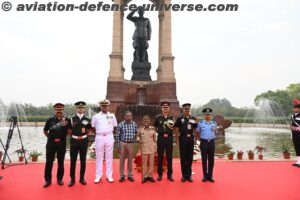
206	129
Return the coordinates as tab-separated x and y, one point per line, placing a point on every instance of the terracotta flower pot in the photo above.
240	156
260	157
21	158
230	156
34	158
251	156
286	155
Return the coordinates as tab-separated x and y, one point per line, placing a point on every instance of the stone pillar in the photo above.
160	42
116	72
165	71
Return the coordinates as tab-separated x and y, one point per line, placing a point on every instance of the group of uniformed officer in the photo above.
56	130
104	125
186	128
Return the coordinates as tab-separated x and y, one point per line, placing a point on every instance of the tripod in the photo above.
13	124
4	149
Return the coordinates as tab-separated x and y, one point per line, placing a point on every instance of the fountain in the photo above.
265	125
267	114
91	112
13	109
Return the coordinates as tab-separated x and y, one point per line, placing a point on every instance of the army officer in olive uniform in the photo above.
186	125
164	127
79	127
56	131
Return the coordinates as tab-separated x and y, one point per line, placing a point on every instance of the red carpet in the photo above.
234	181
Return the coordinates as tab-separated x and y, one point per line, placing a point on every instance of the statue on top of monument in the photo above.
141	35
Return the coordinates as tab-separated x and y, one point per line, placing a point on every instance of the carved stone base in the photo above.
141	97
141	71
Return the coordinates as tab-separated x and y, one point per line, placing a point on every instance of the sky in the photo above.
48	57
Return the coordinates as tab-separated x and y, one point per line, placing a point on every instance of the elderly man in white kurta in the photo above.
104	124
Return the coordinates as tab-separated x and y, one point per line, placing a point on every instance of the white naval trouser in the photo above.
104	145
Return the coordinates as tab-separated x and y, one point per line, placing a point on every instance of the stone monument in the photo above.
141	94
140	65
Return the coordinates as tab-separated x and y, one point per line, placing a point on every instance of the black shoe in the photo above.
151	179
170	178
60	182
190	179
211	179
144	180
204	179
183	179
47	183
71	183
122	179
131	179
159	178
83	182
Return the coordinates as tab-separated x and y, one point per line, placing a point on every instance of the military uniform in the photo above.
146	137
79	125
56	144
186	126
164	128
104	124
207	146
295	128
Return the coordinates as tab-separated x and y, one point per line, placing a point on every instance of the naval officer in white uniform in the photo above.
104	124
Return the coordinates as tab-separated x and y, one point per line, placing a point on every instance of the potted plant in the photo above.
21	154
250	154
240	155
259	150
286	151
230	155
1	153
34	155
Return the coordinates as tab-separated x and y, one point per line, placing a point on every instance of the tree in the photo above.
294	90
221	106
282	97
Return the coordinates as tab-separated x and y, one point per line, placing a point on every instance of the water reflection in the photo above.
248	138
236	138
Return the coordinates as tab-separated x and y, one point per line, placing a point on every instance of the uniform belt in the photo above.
162	134
189	135
56	139
79	137
205	140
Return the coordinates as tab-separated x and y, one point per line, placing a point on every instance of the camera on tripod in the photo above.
13	119
13	124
